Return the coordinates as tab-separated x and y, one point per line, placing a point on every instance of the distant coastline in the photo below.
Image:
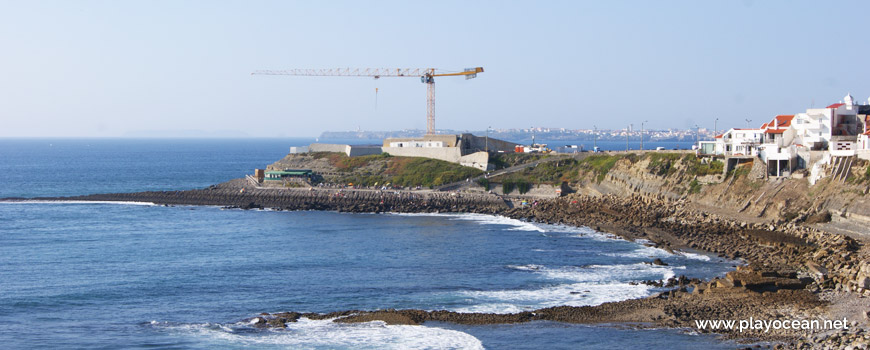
541	134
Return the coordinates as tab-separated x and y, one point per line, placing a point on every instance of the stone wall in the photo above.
479	143
479	160
356	151
327	147
349	150
450	154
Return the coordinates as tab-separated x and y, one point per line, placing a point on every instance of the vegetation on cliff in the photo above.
507	160
380	169
596	167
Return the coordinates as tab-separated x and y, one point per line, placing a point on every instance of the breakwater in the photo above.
235	194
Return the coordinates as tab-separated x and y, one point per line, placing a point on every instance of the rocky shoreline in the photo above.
788	265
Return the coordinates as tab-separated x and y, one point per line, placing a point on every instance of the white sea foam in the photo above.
610	273
587	285
587	232
527	267
325	334
695	256
573	294
485	219
653	252
643	252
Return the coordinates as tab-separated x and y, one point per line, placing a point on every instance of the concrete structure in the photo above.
299	149
465	149
466	142
349	150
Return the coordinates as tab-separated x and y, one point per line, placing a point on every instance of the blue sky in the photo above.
116	68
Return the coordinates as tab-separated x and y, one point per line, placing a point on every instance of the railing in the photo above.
252	180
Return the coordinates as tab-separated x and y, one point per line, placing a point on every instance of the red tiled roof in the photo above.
785	120
774	131
780	121
836	105
719	136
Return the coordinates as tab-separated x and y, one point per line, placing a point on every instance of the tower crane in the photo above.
427	76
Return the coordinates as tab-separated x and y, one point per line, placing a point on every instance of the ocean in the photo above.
124	275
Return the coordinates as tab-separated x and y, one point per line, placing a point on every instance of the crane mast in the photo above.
427	76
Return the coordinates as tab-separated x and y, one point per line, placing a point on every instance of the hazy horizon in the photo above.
120	69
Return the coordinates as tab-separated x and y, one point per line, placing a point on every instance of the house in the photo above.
834	128
778	149
862	147
734	142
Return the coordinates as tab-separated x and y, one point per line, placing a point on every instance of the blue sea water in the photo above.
108	276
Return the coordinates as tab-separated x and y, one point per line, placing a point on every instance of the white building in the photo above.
833	128
778	150
840	129
734	142
862	148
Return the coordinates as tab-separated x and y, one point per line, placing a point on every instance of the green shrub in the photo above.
600	165
427	172
507	186
738	171
506	160
523	186
662	164
484	182
713	168
694	186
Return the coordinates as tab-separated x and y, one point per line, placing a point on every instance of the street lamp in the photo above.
716	127
641	133
747	123
627	131
697	134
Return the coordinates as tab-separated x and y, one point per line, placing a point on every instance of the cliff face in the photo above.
744	193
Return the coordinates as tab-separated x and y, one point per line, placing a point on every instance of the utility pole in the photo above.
487	138
697	134
628	130
594	138
641	133
747	123
716	127
533	136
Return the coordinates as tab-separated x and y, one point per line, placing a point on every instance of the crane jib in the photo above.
427	76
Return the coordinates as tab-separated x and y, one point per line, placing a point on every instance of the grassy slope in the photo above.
380	169
597	166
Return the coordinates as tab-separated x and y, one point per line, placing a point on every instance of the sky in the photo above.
169	68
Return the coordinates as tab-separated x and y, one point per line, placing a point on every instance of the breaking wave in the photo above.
325	334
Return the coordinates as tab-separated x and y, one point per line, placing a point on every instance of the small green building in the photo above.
279	175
